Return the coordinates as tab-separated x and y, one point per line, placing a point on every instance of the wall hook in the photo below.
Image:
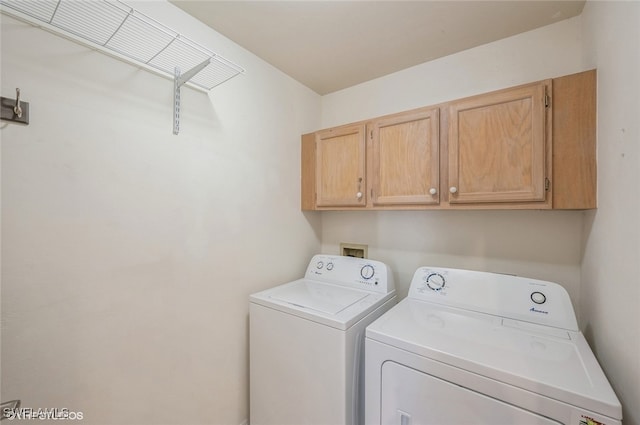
15	111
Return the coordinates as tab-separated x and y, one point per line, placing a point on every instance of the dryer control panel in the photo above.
352	272
506	296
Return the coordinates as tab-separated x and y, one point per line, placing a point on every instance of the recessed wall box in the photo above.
354	250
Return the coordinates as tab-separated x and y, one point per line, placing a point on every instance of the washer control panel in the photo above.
506	296
350	271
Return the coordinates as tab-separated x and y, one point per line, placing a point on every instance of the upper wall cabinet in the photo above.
340	167
528	147
498	147
404	157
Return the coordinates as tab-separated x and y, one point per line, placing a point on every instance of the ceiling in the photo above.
331	45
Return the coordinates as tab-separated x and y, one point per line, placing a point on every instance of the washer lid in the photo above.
322	297
325	303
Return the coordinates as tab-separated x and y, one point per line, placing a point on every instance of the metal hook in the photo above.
13	109
17	109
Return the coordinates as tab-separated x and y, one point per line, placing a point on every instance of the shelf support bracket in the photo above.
178	81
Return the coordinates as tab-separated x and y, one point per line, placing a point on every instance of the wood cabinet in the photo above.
404	156
574	134
340	167
389	162
527	147
498	147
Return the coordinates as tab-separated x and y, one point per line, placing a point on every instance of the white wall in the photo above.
611	265
539	244
128	253
550	51
475	240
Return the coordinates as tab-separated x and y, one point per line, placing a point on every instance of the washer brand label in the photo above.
535	310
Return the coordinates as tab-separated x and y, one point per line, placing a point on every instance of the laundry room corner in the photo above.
173	252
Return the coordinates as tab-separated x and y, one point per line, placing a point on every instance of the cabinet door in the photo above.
340	167
406	159
497	147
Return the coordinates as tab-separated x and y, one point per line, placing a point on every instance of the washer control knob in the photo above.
435	281
538	297
319	265
367	271
329	266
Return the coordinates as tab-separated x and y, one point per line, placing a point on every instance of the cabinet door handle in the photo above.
359	193
433	191
453	189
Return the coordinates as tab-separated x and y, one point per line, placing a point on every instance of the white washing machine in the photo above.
307	342
481	348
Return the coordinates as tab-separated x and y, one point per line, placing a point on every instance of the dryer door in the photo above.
411	397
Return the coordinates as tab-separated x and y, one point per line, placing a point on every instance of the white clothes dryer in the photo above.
307	342
471	347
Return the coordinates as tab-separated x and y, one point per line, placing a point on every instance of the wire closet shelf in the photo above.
121	31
